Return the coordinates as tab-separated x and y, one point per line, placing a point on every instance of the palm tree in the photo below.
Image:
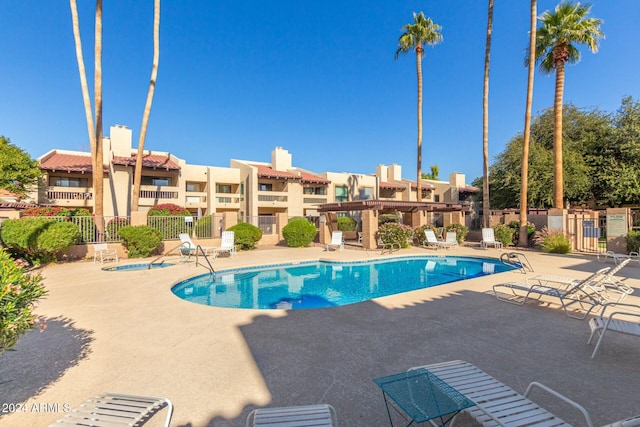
147	108
485	121
555	45
95	142
523	237
422	31
98	171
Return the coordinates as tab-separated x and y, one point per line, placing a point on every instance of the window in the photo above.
156	180
223	188
366	193
265	187
195	187
436	198
58	181
342	194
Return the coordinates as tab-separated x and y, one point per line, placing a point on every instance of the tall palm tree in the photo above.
147	108
98	172
485	120
422	31
523	237
556	43
95	142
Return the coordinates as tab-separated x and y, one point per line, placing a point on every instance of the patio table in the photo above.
422	397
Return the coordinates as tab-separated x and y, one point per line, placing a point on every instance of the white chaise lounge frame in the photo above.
499	405
114	409
321	415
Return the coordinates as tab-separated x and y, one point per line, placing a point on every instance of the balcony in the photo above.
316	200
152	195
227	201
273	199
196	199
74	196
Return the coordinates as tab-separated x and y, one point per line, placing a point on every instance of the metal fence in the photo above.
94	229
266	223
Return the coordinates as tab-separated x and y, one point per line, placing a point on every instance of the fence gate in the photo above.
586	232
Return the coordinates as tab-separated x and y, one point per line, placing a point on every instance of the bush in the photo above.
299	232
552	241
87	227
503	234
140	240
633	241
515	226
246	235
386	218
461	231
346	223
38	239
19	294
168	209
392	233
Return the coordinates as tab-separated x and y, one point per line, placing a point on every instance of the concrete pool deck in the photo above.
126	332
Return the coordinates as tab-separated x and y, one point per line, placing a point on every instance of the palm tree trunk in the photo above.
419	51
485	121
98	173
137	176
558	183
84	86
523	238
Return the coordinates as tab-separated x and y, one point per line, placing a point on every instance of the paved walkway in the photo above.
126	332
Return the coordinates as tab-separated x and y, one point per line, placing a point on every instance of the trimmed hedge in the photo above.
140	240
346	223
38	239
299	232
246	235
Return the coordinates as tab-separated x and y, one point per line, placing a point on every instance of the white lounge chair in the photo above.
322	415
432	241
111	409
619	319
102	251
227	245
489	239
189	248
336	241
452	238
618	258
499	405
569	291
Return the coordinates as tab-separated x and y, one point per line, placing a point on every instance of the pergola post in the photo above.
369	229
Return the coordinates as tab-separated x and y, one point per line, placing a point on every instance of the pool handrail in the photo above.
163	255
211	270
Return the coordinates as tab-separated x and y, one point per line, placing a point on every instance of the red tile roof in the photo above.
67	163
308	178
392	186
155	161
265	171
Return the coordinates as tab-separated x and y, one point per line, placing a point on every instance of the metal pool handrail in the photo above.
162	256
211	270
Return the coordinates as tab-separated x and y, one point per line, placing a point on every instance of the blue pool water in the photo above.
326	284
137	267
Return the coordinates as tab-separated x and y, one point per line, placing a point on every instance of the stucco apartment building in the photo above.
247	187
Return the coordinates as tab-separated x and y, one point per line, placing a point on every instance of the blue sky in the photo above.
238	78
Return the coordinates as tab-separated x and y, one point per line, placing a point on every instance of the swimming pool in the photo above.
327	284
137	267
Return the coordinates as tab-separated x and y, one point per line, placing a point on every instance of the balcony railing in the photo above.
227	199
270	198
315	200
147	194
69	195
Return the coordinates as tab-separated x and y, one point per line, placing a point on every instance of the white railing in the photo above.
69	195
266	223
269	198
148	194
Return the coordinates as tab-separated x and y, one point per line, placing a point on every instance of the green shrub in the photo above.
633	241
86	226
19	294
392	233
203	227
515	226
552	241
503	234
346	223
461	231
168	218
140	240
299	232
38	239
246	235
168	209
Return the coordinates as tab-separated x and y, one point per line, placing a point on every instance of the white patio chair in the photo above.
432	241
336	241
452	238
321	415
227	245
102	251
620	319
489	239
189	248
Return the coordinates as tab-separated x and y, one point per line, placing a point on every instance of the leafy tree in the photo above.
18	171
555	46
435	172
422	31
